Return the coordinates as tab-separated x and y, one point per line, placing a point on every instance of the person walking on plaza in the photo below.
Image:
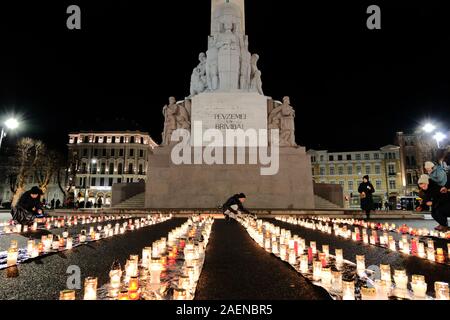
99	203
434	197
52	203
234	206
366	190
386	206
58	204
28	208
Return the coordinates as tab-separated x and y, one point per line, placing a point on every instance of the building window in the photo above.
392	184
94	168
113	140
366	156
141	153
376	156
358	169
358	157
350	170
368	169
409	178
113	152
342	183
103	168
332	182
141	169
322	171
93	182
104	152
331	171
391	169
96	139
341	171
339	157
313	172
102	182
349	157
142	140
131	152
120	152
132	140
111	168
322	158
120	168
105	139
85	151
331	158
121	139
110	182
95	152
378	185
350	185
130	168
377	169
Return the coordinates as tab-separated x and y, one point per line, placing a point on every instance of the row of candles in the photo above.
370	237
141	279
50	243
293	249
403	229
58	222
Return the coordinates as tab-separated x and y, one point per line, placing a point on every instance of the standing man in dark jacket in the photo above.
438	199
234	206
28	207
366	190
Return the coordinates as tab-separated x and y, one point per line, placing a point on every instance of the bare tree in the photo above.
27	154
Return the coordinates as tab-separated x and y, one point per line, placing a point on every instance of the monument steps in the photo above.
322	203
135	202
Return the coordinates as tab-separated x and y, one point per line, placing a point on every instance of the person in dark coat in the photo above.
57	204
366	191
435	198
234	206
28	207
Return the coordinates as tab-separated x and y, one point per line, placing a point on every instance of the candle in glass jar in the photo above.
90	288
441	290
430	254
133	284
313	246
304	264
430	244
30	246
179	294
421	250
360	265
146	257
155	271
326	250
339	253
419	286
317	270
13	254
326	276
292	257
385	270
67	295
348	290
400	279
440	255
336	281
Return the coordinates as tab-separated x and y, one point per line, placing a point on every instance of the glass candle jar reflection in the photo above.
90	289
348	290
336	281
67	295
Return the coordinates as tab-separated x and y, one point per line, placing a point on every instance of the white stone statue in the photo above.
246	68
282	117
212	65
228	45
198	78
176	116
256	82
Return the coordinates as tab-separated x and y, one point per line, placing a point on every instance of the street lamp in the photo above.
91	171
10	124
439	137
429	128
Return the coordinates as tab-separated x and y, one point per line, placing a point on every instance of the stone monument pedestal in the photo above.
206	186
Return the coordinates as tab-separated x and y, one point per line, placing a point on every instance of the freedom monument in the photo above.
202	159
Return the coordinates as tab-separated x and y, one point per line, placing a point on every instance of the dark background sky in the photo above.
353	88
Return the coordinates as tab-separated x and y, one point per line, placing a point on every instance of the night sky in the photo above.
352	88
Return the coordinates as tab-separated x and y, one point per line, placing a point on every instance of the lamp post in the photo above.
86	194
10	124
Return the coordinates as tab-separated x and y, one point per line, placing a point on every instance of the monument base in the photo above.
171	186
